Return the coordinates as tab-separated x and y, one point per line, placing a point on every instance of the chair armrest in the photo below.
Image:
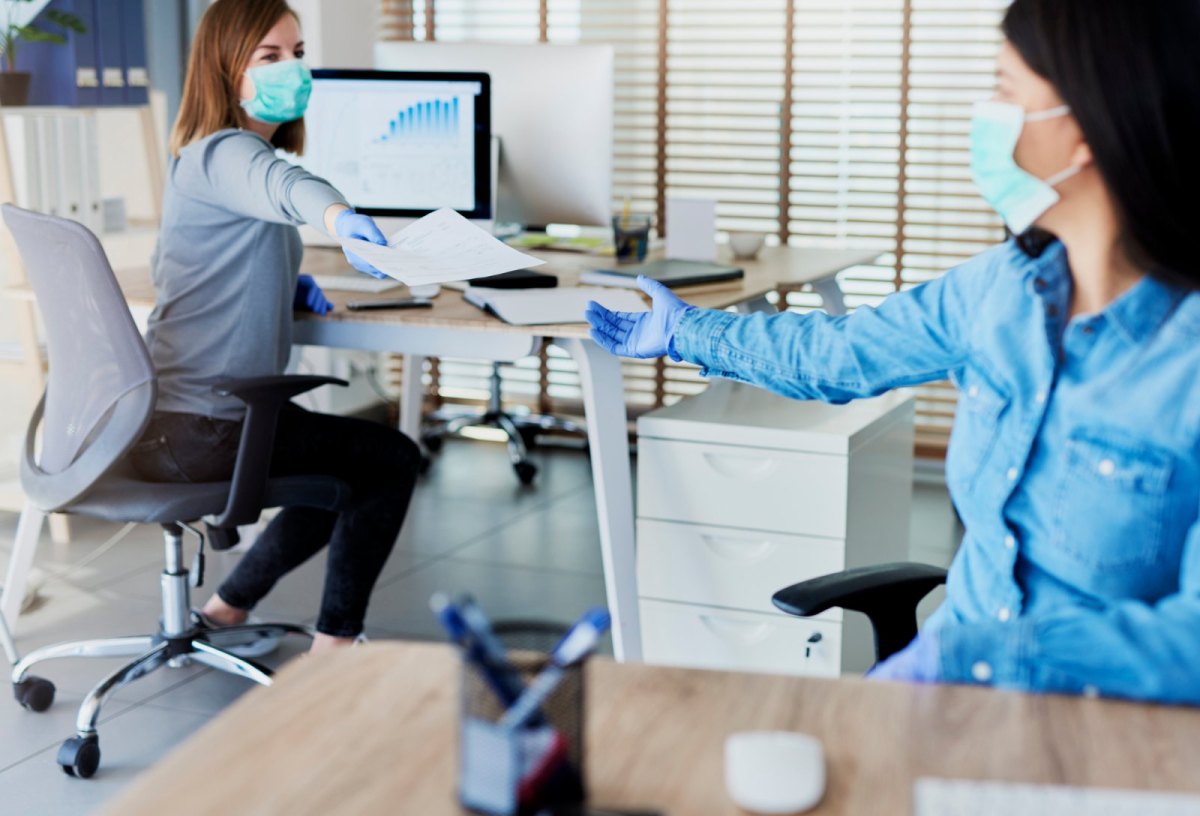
264	397
888	594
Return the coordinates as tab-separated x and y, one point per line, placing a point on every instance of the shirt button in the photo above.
1040	397
1107	467
1004	614
982	672
1091	691
1012	474
973	391
1010	543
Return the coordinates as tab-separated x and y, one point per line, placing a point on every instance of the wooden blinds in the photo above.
817	121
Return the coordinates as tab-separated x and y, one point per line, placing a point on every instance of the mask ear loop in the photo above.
1053	113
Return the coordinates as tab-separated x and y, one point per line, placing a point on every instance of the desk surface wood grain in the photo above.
371	730
776	268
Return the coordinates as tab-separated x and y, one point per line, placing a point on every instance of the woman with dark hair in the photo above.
1075	456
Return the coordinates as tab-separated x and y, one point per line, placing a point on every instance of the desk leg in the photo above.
29	529
608	437
412	392
831	294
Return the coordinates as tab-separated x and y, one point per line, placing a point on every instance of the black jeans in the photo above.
379	463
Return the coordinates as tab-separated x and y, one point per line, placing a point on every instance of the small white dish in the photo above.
746	245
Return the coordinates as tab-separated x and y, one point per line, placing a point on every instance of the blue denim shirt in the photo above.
1073	461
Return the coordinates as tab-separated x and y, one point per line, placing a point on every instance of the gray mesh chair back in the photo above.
101	387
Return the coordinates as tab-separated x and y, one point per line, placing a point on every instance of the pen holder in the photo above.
513	772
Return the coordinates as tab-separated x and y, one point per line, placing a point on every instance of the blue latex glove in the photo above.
310	298
350	224
918	662
640	335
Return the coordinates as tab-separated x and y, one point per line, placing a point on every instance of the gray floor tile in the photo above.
563	536
129	743
402	606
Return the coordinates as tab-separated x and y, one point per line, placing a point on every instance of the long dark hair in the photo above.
1130	71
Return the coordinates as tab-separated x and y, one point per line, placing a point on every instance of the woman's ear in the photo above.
1082	156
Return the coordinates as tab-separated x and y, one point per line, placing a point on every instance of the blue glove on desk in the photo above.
350	224
918	662
640	335
310	298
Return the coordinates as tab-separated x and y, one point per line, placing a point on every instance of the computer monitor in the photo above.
552	109
400	144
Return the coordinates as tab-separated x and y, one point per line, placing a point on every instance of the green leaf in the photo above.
32	33
65	19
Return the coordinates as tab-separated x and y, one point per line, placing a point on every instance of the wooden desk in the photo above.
372	730
455	328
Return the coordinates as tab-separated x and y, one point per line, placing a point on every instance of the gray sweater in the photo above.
225	267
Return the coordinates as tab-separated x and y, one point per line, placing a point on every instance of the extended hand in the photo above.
640	335
350	224
310	298
918	662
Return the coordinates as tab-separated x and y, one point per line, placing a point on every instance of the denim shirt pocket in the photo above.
1112	500
976	428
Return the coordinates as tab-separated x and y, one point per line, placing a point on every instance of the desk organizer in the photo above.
514	772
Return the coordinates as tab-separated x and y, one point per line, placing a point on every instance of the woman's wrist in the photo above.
332	213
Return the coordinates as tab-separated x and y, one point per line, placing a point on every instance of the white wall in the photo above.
339	33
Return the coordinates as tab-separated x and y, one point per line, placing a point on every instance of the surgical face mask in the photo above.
1020	198
281	92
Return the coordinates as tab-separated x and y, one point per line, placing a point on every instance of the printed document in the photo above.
439	248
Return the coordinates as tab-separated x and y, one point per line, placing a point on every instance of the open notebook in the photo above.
541	307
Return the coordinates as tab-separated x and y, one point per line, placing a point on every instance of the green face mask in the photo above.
281	92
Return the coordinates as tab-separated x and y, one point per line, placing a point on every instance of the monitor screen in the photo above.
400	143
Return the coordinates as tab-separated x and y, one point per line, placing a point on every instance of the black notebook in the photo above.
671	273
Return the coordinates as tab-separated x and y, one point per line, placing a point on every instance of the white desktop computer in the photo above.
401	144
552	111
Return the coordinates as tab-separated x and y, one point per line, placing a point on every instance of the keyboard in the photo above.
364	284
957	797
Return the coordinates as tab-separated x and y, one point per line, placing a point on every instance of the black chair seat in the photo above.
122	497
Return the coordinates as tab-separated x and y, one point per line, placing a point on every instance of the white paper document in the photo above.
541	307
443	246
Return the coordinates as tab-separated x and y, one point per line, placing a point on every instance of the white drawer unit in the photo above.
706	637
741	493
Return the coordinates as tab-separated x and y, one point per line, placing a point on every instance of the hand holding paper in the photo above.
439	248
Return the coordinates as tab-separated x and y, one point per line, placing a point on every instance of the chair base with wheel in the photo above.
522	431
183	638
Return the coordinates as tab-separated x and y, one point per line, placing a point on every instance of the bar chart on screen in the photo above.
380	142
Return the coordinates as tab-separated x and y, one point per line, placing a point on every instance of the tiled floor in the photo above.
532	553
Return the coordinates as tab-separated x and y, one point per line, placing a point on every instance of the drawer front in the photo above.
737	569
707	638
748	488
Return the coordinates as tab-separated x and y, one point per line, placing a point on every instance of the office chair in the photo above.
522	431
888	594
98	401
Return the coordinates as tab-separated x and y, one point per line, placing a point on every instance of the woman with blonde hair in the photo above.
227	276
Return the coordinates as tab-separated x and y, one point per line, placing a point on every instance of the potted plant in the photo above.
14	85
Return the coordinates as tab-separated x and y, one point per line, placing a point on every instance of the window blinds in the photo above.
820	122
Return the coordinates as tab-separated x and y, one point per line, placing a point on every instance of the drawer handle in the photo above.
745	552
741	467
740	631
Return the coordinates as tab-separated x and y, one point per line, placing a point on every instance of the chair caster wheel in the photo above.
34	693
80	756
432	443
525	472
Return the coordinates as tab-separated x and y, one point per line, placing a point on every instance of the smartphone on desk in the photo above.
390	303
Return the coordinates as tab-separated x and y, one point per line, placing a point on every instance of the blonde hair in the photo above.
228	34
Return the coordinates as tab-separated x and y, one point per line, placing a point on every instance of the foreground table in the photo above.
371	730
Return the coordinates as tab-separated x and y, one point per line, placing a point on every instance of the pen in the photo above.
577	644
501	677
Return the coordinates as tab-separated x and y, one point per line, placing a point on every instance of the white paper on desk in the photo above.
541	307
441	247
